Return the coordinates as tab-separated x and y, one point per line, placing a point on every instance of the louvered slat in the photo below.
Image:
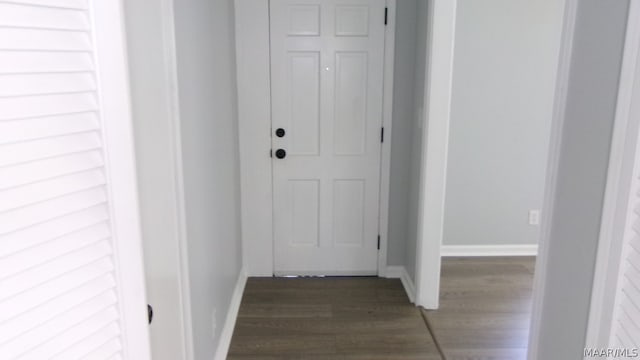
61	323
35	84
105	351
59	298
625	340
635	226
15	14
47	266
70	301
50	209
39	295
631	295
43	39
52	250
39	170
49	147
46	105
52	229
626	321
38	128
49	189
78	333
23	62
625	331
82	348
68	4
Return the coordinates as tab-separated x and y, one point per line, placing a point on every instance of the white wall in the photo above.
581	177
254	117
205	45
505	60
151	99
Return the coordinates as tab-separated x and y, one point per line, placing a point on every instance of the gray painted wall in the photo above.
208	113
406	144
403	128
581	177
417	140
505	62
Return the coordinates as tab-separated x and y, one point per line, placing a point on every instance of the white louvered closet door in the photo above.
625	329
71	280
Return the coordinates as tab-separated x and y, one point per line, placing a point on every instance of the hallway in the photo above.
485	309
329	318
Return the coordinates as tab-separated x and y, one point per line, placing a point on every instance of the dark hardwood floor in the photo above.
485	308
329	318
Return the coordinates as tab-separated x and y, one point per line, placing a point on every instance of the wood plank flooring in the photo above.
344	318
485	308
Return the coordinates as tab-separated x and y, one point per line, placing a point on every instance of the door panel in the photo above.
305	102
326	73
71	275
349	132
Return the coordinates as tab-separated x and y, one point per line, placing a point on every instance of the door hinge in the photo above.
382	134
386	14
378	242
271	153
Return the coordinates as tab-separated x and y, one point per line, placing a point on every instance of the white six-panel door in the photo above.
327	80
71	280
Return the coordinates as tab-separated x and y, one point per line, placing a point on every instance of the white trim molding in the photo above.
490	250
435	148
254	131
173	108
232	316
254	122
387	123
562	82
400	272
619	174
118	150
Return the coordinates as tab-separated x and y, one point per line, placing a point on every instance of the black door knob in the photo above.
281	154
280	132
150	313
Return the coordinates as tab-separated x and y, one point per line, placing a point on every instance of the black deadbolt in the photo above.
280	153
280	132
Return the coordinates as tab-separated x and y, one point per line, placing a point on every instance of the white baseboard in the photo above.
400	272
490	250
232	315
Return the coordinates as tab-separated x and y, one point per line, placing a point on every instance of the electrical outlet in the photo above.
214	323
534	217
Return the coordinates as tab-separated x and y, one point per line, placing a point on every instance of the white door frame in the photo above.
117	136
440	45
614	213
254	114
562	83
109	37
435	148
